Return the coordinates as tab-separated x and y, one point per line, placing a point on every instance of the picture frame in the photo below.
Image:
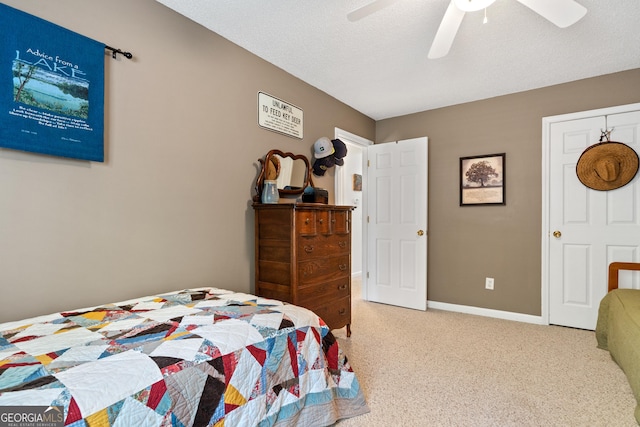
357	182
482	180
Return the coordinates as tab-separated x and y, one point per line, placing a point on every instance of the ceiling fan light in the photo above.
472	5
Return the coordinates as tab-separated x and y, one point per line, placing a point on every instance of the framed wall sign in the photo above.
482	180
279	116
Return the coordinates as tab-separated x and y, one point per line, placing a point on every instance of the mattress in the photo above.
195	357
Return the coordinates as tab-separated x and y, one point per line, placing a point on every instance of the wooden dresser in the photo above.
303	256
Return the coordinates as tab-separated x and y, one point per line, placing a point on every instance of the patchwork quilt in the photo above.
197	357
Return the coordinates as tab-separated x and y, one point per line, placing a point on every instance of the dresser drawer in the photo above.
312	222
323	219
323	269
323	246
324	292
306	222
336	314
340	222
324	222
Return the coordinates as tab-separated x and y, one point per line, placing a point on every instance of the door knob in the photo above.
557	234
420	233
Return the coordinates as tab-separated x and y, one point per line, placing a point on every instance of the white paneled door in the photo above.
397	223
588	229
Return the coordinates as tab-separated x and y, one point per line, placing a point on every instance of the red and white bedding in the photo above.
197	357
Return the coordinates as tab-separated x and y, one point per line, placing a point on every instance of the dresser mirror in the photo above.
290	171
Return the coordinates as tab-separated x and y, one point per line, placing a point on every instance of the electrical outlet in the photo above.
488	283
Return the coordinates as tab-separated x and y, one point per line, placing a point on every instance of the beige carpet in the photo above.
439	368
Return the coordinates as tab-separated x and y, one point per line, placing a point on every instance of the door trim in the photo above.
545	232
342	180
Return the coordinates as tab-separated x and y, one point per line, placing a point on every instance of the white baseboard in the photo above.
487	312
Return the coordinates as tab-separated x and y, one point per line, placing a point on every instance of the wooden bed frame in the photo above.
614	267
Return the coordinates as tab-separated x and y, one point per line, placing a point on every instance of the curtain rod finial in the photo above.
115	51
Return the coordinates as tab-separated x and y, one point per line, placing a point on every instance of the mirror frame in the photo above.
263	172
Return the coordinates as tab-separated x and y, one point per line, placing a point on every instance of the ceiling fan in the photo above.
562	13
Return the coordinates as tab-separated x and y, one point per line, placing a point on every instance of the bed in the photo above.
618	327
195	357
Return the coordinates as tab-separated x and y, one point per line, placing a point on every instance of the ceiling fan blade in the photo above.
368	9
562	13
446	32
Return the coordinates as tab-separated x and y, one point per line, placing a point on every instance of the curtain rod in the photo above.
116	51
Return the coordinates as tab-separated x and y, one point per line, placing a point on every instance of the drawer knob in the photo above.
342	311
308	249
342	287
342	244
321	220
307	221
342	267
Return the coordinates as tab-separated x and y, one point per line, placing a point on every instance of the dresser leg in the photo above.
348	330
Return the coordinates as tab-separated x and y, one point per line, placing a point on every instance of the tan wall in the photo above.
170	206
467	244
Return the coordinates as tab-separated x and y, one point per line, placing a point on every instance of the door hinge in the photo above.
368	163
367	219
367	274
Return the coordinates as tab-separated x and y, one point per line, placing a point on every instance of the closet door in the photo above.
588	229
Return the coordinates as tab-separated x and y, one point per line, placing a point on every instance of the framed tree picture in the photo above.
482	180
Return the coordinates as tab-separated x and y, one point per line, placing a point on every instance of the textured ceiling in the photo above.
378	65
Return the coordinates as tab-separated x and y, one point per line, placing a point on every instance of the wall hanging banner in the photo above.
55	104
